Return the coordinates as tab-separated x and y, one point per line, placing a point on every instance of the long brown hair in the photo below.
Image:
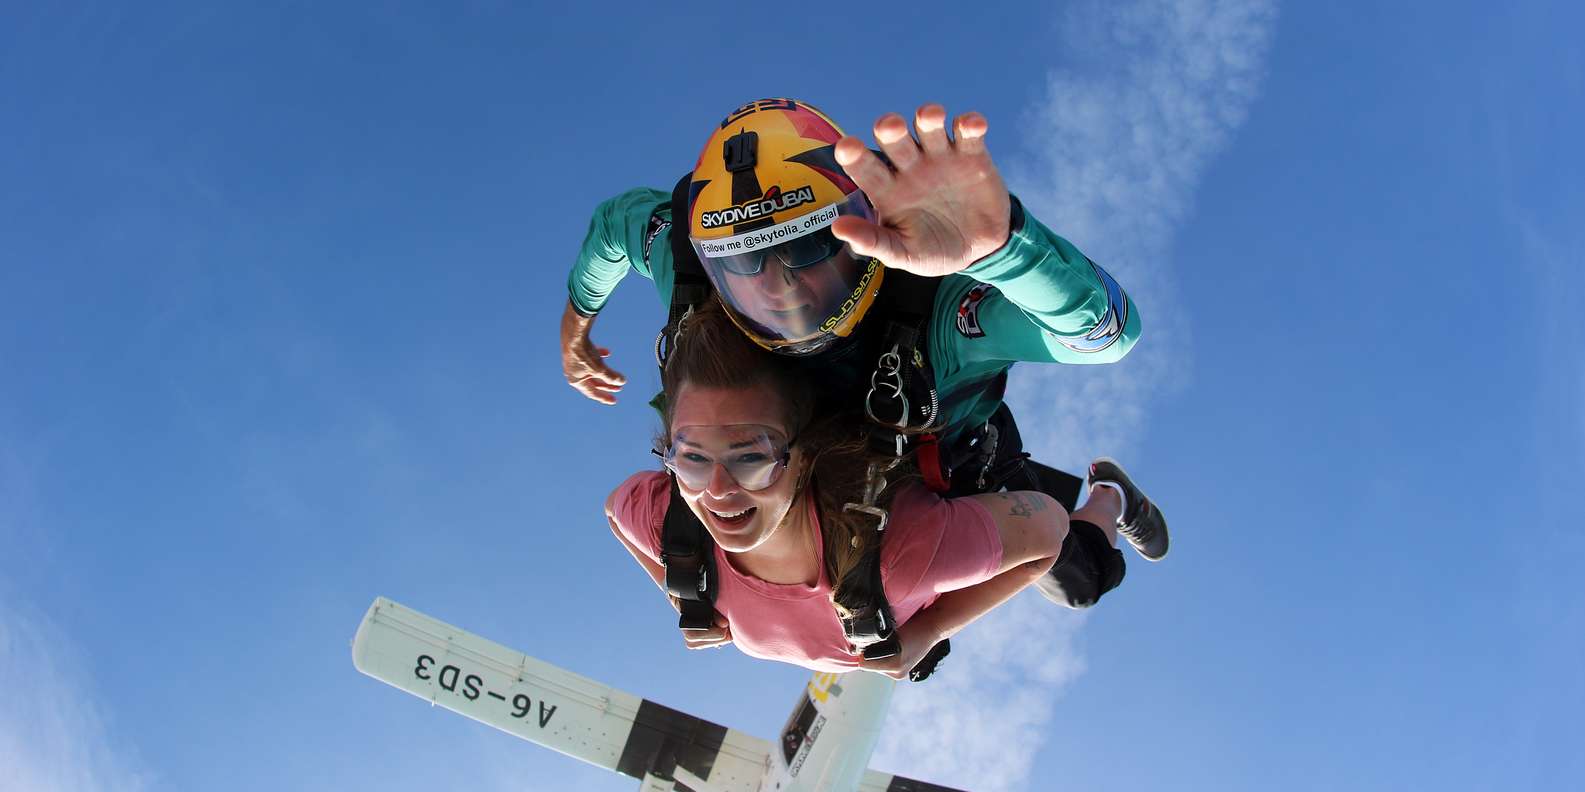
709	351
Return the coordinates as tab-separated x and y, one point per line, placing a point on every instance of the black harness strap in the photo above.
684	262
687	551
871	626
927	664
690	286
993	458
688	554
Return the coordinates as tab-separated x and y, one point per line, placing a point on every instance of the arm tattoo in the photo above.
1023	504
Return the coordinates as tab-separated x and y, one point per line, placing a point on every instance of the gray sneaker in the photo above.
1144	526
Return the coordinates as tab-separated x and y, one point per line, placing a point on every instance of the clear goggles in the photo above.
753	455
795	244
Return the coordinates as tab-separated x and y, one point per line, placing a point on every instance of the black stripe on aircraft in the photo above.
900	784
663	738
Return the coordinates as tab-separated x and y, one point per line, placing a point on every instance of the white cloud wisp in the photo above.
52	737
1116	149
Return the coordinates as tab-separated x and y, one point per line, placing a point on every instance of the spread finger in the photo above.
891	133
969	133
931	122
863	167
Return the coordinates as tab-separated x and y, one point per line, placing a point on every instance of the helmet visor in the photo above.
789	281
753	455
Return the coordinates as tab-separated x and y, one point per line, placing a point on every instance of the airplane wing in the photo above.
876	781
554	707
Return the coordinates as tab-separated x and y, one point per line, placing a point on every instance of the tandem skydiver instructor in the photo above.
906	280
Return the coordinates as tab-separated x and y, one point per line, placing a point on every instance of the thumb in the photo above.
601	367
877	667
869	240
860	234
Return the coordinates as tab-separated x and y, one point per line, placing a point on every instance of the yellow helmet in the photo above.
761	202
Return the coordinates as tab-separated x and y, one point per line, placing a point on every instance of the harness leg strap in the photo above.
1010	467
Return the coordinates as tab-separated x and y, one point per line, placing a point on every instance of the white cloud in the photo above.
1549	259
52	736
986	706
1115	151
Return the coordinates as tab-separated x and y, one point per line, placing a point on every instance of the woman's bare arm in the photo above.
1032	527
650	565
696	639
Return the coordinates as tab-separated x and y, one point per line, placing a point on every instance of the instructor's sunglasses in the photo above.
753	455
796	254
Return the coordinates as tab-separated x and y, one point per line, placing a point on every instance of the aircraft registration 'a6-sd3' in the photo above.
825	746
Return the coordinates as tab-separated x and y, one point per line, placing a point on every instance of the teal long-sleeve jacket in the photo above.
1035	299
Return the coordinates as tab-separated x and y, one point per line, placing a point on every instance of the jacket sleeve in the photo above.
1036	299
625	232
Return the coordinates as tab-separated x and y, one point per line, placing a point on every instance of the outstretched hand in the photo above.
583	363
941	206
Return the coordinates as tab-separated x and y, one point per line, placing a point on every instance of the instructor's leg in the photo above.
1102	509
1090	564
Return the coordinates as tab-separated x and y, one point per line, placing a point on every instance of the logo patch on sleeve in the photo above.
1112	323
969	311
656	225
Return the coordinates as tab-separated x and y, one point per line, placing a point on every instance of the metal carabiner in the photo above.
662	349
988	449
874	511
874	484
890	366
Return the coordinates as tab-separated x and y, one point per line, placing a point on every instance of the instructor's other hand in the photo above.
583	363
941	206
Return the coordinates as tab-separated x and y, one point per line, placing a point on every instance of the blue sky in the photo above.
280	291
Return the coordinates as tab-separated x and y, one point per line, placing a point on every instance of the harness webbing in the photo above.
688	554
690	286
869	625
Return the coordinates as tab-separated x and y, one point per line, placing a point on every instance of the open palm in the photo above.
941	205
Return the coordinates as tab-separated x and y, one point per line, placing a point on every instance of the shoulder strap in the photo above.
690	286
907	296
871	625
688	554
684	261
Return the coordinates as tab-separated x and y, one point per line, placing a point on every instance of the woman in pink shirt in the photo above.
768	479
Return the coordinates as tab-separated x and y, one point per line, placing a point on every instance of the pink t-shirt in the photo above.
931	546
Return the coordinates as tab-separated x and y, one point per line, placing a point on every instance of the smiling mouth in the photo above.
733	519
